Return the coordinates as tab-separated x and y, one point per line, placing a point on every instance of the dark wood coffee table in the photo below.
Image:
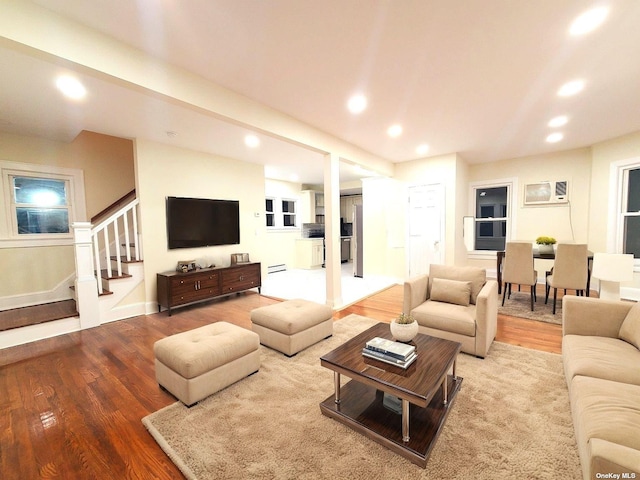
426	389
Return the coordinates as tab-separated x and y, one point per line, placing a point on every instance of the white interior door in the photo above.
426	228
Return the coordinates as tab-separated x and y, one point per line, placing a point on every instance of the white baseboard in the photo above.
32	333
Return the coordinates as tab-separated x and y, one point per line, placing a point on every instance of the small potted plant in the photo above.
545	245
404	328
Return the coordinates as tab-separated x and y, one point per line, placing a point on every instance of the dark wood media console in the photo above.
176	289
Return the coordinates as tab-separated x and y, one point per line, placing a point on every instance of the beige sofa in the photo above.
601	356
455	303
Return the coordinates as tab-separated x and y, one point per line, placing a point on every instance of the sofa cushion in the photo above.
451	291
447	317
605	410
600	357
476	275
630	329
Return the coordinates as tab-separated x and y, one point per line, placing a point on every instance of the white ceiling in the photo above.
476	77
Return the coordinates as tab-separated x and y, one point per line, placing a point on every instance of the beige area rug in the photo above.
519	305
511	419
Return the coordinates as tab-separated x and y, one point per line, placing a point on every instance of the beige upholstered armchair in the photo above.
455	303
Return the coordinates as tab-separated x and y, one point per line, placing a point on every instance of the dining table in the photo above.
542	256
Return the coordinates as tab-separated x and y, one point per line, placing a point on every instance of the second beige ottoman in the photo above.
292	325
195	364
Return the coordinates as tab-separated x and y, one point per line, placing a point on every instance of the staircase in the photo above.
112	248
108	269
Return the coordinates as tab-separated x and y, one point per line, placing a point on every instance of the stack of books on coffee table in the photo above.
388	351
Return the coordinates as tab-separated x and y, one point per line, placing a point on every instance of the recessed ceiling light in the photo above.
394	130
357	104
422	149
555	137
558	121
251	141
571	88
589	21
71	87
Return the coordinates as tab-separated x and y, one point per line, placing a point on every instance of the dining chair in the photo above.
570	271
518	268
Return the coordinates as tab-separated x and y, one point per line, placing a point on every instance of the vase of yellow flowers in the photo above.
545	245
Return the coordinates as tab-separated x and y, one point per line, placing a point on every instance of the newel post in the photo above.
86	284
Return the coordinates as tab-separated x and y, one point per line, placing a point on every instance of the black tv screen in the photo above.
200	222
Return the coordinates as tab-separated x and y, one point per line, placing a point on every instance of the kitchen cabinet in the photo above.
309	253
312	206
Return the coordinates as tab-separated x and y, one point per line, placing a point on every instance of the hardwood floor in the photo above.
70	406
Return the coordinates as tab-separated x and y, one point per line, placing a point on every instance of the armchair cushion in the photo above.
630	329
477	276
447	317
451	291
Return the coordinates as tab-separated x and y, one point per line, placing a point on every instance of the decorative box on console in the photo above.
239	258
186	266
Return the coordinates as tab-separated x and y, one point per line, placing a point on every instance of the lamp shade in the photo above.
613	267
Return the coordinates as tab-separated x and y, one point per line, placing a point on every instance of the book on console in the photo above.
387	359
397	350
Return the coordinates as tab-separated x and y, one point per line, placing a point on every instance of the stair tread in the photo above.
124	260
104	292
114	275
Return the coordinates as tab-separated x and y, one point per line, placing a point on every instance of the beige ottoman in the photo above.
195	364
292	325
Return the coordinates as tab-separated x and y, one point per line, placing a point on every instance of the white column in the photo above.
332	229
86	285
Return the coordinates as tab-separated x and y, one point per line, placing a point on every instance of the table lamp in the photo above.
611	269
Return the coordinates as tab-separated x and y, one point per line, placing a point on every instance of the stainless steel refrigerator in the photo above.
357	239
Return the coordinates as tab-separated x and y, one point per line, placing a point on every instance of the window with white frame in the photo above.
41	202
270	212
40	205
492	216
281	212
289	213
629	238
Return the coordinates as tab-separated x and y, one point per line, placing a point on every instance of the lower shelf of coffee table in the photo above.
361	409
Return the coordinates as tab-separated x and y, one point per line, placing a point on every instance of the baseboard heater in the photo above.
276	268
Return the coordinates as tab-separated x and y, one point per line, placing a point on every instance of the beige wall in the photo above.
163	171
33	270
383	222
107	163
604	155
280	245
107	166
565	222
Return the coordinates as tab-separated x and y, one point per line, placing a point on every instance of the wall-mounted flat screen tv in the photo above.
200	222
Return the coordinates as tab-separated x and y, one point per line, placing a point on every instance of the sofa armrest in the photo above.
486	317
415	292
593	316
607	457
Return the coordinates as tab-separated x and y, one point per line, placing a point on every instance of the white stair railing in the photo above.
107	233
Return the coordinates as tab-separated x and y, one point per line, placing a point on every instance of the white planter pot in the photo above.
404	332
545	249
